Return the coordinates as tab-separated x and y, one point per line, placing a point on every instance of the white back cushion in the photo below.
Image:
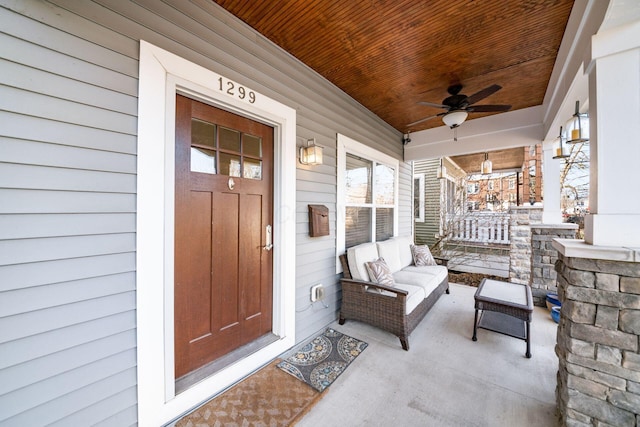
388	250
357	256
404	250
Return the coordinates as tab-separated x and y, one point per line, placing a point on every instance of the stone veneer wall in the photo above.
544	257
598	342
520	255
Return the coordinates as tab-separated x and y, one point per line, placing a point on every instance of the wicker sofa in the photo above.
399	308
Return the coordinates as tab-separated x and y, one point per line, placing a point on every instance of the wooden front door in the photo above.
223	217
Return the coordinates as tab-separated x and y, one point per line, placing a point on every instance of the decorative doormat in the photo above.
267	398
319	362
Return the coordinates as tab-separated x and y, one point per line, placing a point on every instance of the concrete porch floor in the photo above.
445	379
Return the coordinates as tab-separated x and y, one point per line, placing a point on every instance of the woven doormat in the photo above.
322	360
267	398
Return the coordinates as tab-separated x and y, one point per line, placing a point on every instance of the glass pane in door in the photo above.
252	169
229	165
229	139
203	134
252	145
203	161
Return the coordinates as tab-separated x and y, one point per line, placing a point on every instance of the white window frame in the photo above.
347	145
421	202
448	198
162	75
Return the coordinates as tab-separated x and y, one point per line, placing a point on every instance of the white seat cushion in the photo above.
428	277
388	250
415	295
357	256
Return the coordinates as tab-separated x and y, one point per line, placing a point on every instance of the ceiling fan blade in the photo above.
488	108
422	120
432	104
483	94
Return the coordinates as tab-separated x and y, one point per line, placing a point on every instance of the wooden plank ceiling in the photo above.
390	54
509	159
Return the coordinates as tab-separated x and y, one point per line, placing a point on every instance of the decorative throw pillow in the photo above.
379	272
422	256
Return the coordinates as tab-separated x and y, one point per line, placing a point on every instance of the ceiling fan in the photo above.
459	105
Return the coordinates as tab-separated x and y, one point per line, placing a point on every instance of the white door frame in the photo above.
162	75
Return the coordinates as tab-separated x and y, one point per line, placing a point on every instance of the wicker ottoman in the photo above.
506	308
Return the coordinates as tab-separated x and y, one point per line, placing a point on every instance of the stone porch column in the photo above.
598	343
614	119
520	251
544	257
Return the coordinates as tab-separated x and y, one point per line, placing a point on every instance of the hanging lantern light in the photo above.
578	127
486	167
560	150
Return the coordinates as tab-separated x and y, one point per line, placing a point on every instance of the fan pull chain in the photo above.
455	134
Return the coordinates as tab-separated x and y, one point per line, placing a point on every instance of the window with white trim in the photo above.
367	194
473	188
473	206
450	197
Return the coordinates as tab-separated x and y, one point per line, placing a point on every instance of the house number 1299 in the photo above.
238	90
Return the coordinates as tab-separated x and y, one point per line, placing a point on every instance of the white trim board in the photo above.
162	75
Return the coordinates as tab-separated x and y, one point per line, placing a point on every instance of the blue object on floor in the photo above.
555	313
552	300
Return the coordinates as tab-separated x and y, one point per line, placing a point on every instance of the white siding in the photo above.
68	114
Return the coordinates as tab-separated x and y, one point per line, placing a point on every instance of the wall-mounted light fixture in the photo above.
577	127
406	139
441	172
486	167
311	154
560	150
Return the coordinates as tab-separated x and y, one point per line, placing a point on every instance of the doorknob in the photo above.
269	244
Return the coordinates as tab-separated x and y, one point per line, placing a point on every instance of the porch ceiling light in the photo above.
486	167
560	151
311	154
577	127
455	118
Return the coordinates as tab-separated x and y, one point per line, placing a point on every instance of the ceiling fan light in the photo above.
455	118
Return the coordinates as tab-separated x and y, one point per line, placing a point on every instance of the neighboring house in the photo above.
112	115
463	215
433	197
494	192
461	189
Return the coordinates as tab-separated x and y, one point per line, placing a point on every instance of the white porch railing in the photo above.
479	227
